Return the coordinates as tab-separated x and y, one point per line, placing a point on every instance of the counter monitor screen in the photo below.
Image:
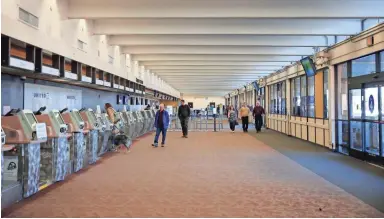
78	117
309	66
58	117
31	118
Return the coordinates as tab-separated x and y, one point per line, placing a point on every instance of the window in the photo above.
303	92
311	96
326	94
81	45
364	65
283	99
293	109
28	18
382	61
297	96
110	59
342	92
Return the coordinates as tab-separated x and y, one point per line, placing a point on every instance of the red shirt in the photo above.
258	111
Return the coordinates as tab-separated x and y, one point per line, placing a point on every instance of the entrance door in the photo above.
366	128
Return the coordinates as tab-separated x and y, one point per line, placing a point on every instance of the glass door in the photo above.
355	115
371	113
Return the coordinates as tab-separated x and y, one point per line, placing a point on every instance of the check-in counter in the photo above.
21	162
145	121
105	132
139	122
78	141
55	152
107	143
92	125
130	124
122	126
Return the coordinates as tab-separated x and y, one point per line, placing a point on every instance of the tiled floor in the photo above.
207	175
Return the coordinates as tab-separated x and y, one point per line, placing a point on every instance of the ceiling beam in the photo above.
211	40
205	71
214	57
234	50
305	27
91	9
213	67
203	63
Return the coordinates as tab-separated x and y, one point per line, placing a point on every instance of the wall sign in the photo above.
36	96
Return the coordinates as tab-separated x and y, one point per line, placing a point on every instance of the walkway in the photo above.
208	175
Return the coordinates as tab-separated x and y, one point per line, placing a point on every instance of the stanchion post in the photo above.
214	123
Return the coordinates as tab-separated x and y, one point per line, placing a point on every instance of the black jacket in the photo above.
184	111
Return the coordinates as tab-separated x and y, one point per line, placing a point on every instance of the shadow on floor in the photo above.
358	178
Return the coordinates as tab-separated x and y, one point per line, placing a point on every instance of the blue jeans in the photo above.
164	134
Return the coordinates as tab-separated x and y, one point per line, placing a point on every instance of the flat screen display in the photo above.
309	66
31	118
78	117
58	117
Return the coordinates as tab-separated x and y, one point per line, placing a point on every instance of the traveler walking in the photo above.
184	113
232	118
244	113
257	113
161	125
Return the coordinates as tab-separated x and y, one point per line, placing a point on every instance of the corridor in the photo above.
207	175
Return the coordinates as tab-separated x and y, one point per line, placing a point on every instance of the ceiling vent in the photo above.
28	18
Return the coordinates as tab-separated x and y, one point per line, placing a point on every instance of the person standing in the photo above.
184	113
244	114
257	113
232	118
161	125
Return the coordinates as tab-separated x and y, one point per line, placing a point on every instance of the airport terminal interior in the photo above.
87	86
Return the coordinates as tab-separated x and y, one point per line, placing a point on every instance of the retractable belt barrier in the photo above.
199	123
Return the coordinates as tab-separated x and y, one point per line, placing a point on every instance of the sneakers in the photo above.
154	145
162	145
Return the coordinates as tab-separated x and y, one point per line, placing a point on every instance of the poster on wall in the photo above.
36	96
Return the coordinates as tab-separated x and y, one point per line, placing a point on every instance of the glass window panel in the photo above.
364	65
283	99
326	94
382	60
356	135
343	133
355	98
293	97
372	138
311	96
297	96
303	92
382	140
342	91
371	103
278	98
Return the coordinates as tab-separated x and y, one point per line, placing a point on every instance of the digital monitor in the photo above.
58	117
78	117
309	66
31	118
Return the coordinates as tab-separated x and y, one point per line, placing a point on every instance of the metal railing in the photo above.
199	123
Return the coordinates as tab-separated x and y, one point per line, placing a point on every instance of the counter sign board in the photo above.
36	96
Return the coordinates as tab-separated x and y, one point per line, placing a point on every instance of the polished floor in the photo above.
207	175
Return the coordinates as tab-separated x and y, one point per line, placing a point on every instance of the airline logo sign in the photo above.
36	96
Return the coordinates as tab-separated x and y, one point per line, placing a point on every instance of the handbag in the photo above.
236	122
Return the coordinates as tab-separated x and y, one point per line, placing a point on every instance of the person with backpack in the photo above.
184	113
257	113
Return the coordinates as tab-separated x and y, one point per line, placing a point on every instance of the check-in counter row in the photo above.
39	149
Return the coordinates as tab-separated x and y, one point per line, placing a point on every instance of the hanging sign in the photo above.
371	104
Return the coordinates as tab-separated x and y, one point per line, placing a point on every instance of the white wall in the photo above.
60	35
202	102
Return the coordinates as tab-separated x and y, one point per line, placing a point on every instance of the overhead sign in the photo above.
36	96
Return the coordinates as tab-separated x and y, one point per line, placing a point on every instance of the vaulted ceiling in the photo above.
210	47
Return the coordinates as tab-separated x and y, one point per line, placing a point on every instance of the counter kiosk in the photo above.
22	163
139	123
149	120
77	141
153	112
55	152
109	133
122	126
104	133
130	124
93	126
145	121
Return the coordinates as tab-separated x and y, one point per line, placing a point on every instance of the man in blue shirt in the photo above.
161	124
